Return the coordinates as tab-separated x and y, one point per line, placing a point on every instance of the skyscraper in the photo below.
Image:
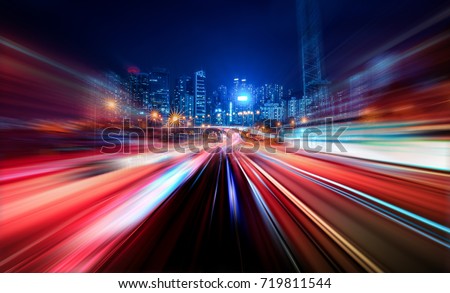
132	86
143	92
273	93
293	107
200	97
159	91
270	102
178	92
116	96
223	96
258	96
219	105
315	87
183	99
241	101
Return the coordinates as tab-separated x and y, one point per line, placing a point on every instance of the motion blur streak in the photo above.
270	221
82	217
16	47
93	220
364	195
345	244
383	206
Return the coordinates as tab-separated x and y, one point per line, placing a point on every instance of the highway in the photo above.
221	211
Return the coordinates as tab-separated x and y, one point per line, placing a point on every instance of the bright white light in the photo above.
242	98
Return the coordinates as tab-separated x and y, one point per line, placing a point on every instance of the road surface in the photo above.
221	211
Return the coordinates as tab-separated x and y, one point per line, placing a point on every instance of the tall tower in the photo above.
159	91
200	96
315	87
183	96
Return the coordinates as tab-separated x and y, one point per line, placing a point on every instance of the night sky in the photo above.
256	39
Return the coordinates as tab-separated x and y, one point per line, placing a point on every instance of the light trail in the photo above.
310	175
363	260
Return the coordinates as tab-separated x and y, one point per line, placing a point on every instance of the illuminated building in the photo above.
315	87
159	91
200	97
183	100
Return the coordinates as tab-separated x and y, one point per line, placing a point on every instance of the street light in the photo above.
111	104
253	116
154	116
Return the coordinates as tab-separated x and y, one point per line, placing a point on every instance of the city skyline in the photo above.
223	105
251	40
253	136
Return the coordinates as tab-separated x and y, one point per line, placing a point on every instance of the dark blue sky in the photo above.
252	38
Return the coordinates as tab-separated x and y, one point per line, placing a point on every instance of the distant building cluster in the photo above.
370	91
140	95
187	101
